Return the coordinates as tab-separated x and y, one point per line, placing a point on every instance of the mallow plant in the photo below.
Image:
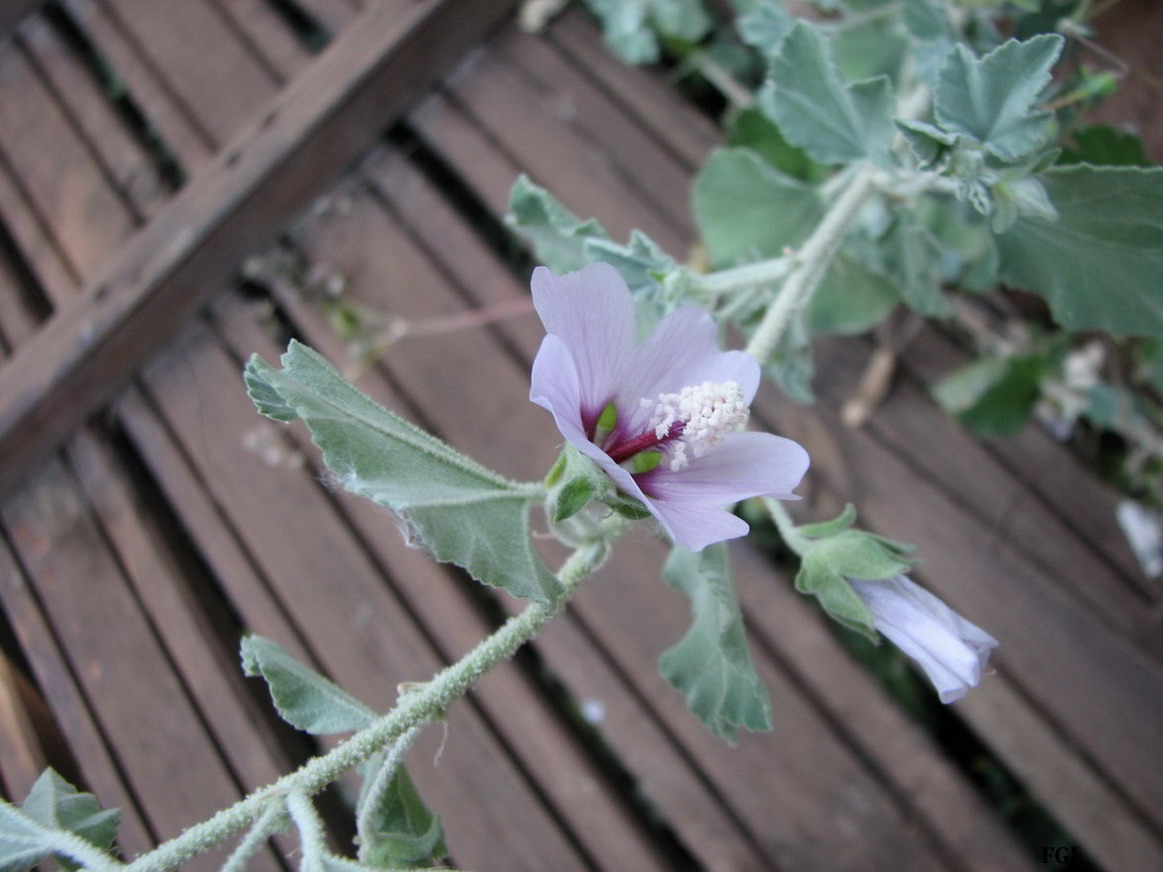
931	164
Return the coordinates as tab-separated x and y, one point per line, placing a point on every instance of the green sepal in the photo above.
304	698
406	835
628	507
644	461
838	524
860	554
832	553
836	596
574	482
711	665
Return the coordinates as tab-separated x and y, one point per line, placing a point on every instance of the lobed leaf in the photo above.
461	511
558	236
711	666
833	122
992	99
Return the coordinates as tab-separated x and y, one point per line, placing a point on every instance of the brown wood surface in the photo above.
1015	534
13	12
319	123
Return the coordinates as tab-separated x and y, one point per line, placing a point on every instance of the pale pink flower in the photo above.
662	417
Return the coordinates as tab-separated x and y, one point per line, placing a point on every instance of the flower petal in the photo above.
694	525
952	651
554	385
743	465
692	503
683	350
592	313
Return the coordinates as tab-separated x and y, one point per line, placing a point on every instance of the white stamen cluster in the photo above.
708	412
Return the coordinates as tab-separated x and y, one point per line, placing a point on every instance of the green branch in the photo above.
422	705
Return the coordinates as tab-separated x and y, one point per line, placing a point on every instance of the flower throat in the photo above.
690	422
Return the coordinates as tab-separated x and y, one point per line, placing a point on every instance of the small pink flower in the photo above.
952	651
662	417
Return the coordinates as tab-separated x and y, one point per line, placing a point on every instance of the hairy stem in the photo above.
379	787
417	707
80	851
786	526
812	263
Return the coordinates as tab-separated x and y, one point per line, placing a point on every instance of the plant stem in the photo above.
393	757
416	707
80	851
306	818
254	840
812	263
786	526
749	274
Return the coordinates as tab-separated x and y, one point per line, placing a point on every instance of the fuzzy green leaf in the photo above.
405	834
304	698
1099	264
52	804
711	666
992	99
851	299
460	511
833	122
558	236
765	26
746	209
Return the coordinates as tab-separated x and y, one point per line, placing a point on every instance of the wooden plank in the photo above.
181	131
320	122
266	35
115	149
586	111
62	690
510	109
54	168
193	52
61	549
646	96
24	758
13	12
194	633
332	15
